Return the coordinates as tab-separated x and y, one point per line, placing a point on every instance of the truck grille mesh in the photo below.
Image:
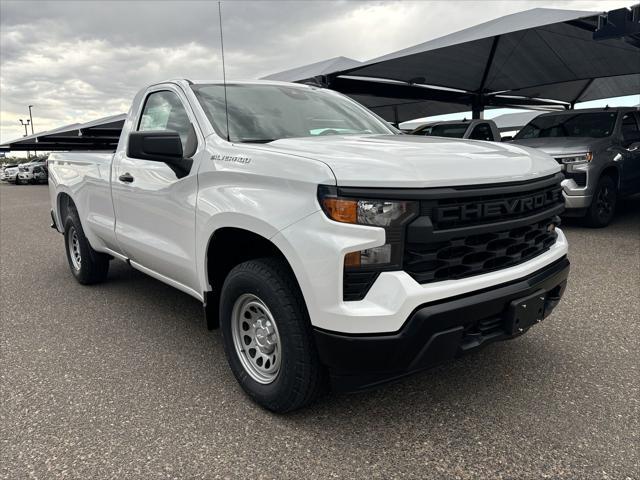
475	254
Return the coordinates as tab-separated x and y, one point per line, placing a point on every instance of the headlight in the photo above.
377	213
391	215
575	158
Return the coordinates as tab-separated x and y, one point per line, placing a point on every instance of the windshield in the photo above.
590	125
454	130
263	113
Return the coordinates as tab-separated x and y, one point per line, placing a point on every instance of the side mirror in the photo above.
507	138
635	146
155	145
160	146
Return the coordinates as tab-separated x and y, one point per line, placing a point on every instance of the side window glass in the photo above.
630	132
482	131
164	111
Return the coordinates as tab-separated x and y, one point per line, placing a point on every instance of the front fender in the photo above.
224	220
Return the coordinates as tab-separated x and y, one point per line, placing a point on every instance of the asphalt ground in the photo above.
124	381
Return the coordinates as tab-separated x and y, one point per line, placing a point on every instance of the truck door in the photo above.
630	179
155	206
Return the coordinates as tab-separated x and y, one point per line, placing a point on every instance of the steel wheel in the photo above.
74	249
256	338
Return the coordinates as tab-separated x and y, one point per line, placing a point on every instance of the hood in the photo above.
561	145
412	161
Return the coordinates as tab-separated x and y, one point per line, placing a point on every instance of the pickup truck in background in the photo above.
599	151
331	251
468	129
9	173
32	172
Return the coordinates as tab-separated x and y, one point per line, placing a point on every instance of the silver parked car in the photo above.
599	150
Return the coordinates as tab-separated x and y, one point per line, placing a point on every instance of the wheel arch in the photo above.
64	202
227	247
613	172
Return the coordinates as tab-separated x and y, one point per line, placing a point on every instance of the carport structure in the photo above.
539	58
100	134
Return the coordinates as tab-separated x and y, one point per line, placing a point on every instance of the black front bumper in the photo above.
440	331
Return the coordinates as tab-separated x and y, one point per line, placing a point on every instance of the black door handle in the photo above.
126	177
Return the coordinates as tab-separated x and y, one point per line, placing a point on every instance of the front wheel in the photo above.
603	204
87	265
267	336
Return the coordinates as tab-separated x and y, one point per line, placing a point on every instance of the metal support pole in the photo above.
31	118
35	152
477	108
26	134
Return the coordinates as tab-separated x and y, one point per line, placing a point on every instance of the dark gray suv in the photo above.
599	150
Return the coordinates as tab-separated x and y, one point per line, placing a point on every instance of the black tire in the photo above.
93	266
603	205
301	378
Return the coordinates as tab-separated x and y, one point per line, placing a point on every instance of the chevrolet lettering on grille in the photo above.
496	208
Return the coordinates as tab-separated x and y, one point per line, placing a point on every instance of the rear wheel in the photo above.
603	205
267	336
87	265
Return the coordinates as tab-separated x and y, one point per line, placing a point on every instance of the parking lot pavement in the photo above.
124	381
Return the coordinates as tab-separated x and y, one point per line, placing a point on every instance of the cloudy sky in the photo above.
79	60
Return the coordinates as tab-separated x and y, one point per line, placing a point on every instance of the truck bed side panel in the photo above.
85	176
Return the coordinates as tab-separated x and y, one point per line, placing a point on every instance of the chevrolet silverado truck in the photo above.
599	151
331	251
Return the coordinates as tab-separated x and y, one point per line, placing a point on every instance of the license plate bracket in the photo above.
524	312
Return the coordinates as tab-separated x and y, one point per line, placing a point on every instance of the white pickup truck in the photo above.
332	251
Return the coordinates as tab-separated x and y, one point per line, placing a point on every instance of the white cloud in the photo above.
76	61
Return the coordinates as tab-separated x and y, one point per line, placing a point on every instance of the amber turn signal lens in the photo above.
352	259
341	210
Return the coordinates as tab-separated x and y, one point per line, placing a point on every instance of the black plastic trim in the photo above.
579	177
53	220
420	233
455	192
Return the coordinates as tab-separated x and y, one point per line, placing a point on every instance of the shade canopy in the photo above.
514	121
101	134
324	67
539	58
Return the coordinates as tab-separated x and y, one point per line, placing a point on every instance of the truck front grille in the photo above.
464	231
471	231
464	256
